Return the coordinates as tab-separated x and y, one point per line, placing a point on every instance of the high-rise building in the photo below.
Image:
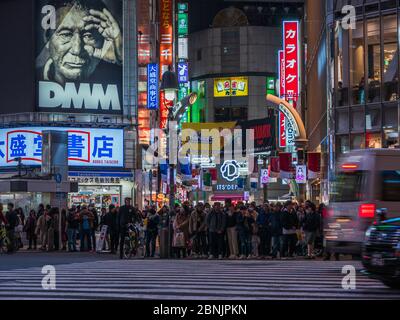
61	72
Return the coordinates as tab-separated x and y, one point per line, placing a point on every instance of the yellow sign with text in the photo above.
231	87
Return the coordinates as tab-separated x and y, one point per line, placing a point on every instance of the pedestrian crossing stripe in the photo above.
193	280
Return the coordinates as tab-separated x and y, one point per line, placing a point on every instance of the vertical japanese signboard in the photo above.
183	72
166	36
291	56
182	24
164	106
152	86
183	66
144	53
282	126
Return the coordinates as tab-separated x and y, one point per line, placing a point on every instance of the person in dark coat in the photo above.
216	223
153	220
290	224
263	222
12	222
111	220
30	229
126	215
276	229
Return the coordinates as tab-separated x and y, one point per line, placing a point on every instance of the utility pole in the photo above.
265	185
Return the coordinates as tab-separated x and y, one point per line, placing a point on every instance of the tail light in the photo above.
367	210
327	212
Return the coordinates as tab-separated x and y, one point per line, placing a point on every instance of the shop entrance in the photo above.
100	196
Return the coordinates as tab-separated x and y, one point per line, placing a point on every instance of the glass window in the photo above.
357	64
390	58
373	140
342	65
373	118
390	185
374	60
348	186
342	120
357	119
390	117
230	114
357	141
342	144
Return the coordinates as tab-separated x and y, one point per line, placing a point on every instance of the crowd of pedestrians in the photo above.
233	231
247	231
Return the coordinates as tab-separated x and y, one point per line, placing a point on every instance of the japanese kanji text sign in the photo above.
152	86
166	36
291	56
86	147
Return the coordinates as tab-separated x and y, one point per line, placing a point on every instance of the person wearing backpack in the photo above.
310	225
85	228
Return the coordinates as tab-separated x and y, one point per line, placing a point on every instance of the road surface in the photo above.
95	276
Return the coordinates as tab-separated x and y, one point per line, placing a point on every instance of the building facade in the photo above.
239	44
353	60
64	80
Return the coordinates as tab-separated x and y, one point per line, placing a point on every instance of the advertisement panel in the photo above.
166	36
264	134
301	174
231	87
79	56
86	147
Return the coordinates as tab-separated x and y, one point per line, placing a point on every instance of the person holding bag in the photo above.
181	223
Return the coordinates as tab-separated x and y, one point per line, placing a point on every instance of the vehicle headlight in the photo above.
368	232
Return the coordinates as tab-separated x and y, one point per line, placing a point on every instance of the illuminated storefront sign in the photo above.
144	125
86	147
183	27
183	52
183	72
227	87
152	86
166	36
282	126
164	106
291	56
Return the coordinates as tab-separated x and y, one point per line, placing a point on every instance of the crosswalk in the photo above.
193	280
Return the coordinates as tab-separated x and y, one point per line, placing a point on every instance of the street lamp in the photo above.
169	85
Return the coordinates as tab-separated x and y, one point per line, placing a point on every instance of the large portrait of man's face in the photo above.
69	46
79	41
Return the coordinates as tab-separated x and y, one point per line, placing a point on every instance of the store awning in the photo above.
223	197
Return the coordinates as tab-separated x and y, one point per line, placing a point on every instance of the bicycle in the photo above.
4	241
132	242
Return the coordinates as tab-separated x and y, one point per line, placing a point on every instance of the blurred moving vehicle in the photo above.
381	252
366	180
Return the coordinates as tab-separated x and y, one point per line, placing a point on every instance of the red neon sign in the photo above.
291	57
166	36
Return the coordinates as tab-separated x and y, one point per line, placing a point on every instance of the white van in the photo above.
366	180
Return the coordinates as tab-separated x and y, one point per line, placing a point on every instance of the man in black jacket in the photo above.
276	229
12	222
216	223
290	223
111	221
126	215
